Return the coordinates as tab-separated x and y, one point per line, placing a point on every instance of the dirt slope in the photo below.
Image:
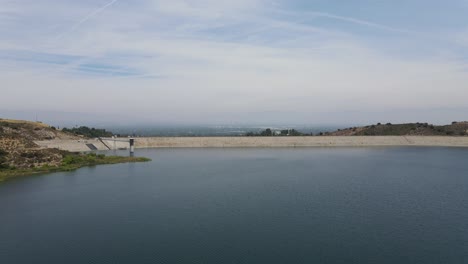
17	147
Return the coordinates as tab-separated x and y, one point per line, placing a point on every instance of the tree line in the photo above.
88	132
271	133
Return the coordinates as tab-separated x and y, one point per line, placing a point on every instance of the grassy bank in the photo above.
70	162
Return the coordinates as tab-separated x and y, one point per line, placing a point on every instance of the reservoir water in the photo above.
311	205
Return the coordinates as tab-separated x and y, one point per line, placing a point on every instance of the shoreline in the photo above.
265	142
75	163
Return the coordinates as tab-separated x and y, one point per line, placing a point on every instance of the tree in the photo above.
266	133
295	133
89	132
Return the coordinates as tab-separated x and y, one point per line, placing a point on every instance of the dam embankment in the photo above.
262	142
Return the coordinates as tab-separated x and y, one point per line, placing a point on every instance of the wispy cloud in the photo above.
184	58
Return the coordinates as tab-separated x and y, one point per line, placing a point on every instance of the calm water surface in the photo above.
316	205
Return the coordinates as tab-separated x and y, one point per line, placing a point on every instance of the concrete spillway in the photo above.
72	144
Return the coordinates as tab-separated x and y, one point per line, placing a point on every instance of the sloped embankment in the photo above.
19	150
20	155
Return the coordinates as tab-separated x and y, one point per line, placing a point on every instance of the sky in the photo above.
234	62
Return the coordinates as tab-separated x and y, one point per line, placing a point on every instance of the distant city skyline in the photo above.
242	62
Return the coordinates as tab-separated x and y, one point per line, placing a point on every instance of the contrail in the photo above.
359	21
86	18
348	19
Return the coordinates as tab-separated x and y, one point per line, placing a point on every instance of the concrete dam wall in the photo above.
264	142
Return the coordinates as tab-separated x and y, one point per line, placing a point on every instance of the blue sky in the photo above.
242	61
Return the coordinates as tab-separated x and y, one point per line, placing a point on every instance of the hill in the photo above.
31	130
19	155
18	147
410	129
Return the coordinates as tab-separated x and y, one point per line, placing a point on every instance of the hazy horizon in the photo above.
70	119
114	62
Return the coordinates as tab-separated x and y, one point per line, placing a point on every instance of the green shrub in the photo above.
78	159
70	159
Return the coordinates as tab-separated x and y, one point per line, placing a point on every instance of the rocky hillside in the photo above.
20	156
17	147
31	130
410	129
